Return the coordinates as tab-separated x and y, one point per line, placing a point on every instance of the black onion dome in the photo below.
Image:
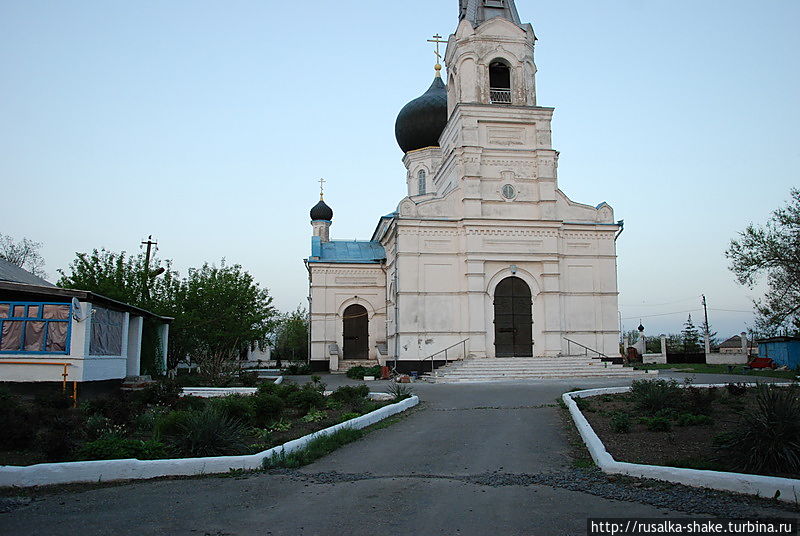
321	211
420	123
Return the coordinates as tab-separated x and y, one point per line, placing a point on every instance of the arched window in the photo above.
499	83
421	181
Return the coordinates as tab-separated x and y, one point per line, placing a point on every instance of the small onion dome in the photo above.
321	211
420	123
641	327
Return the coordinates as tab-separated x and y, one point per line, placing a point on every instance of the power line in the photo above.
661	314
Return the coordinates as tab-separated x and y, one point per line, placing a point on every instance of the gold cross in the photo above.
321	182
437	39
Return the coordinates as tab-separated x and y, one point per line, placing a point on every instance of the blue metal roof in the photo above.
347	251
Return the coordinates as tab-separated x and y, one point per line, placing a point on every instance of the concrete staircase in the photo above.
525	368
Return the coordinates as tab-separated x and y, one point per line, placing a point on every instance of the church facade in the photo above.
486	256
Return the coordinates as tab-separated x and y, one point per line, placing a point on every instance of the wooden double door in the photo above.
513	319
356	332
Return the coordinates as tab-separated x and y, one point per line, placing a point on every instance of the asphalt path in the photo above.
433	472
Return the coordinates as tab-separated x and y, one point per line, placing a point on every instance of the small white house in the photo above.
51	334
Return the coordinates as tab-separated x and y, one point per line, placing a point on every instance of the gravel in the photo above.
651	492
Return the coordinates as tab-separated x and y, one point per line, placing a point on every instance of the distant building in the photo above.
734	346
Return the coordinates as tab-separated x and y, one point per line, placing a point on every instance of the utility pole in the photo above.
146	275
705	326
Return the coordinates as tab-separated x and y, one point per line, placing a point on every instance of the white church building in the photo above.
486	256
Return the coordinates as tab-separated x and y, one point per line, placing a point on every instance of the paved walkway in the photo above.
473	459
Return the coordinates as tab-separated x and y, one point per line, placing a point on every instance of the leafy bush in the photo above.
347	416
358	372
736	389
306	399
282	390
98	426
297	369
314	415
169	424
347	394
235	406
656	424
114	447
767	439
655	395
18	429
620	423
145	422
267	408
58	400
700	400
687	419
117	409
60	437
208	432
190	403
248	378
162	393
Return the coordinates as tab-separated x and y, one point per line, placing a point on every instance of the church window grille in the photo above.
34	328
509	192
421	182
499	83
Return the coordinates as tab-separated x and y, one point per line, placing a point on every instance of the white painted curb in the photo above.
762	486
132	469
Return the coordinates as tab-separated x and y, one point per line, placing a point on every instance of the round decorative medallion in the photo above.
508	191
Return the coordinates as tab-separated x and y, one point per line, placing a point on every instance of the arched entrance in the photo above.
356	332
513	320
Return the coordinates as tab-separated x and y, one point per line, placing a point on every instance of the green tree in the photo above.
23	253
222	311
690	337
291	336
772	251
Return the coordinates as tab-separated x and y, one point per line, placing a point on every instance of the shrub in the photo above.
267	408
306	399
114	447
655	395
162	393
17	427
98	426
146	421
699	400
767	439
169	424
736	389
656	424
248	378
297	369
58	400
583	403
117	409
358	372
190	403
314	415
347	416
282	390
235	406
208	432
620	423
348	394
687	419
59	438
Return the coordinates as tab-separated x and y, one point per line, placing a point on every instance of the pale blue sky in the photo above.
207	124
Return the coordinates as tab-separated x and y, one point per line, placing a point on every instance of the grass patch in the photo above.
703	368
315	450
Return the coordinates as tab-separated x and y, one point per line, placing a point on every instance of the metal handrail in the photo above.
599	353
433	371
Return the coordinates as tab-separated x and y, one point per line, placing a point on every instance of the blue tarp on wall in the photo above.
785	351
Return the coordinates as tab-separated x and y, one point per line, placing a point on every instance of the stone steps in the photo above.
500	369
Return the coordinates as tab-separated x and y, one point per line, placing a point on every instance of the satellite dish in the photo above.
76	310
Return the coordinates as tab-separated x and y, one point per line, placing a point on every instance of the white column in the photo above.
163	335
744	342
134	349
664	348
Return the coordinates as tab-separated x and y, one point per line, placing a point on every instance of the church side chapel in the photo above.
486	257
